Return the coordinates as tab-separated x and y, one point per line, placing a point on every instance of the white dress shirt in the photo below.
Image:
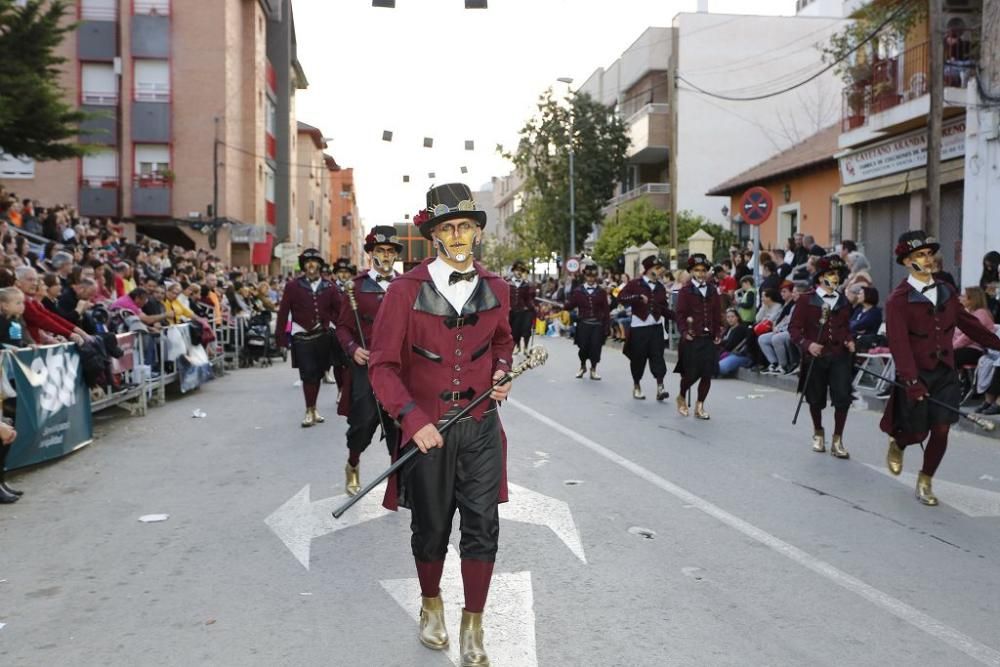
918	285
702	287
375	275
650	320
456	294
313	285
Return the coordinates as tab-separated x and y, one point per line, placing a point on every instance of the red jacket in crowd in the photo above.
37	317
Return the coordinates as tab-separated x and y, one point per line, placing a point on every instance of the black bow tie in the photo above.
383	279
830	296
456	276
928	288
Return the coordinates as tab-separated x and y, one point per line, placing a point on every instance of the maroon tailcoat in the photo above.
655	302
423	348
591	306
310	310
522	297
369	295
705	312
804	327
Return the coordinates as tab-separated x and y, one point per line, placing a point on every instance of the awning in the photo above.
899	184
262	251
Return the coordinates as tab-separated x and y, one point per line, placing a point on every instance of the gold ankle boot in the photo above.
433	633
925	494
894	459
310	419
317	417
819	441
593	373
682	406
471	641
352	479
637	393
699	410
579	373
837	448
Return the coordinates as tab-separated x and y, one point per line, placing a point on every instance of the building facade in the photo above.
347	236
311	223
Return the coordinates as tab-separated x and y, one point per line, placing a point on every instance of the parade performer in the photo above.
644	344
308	310
522	306
442	337
343	272
921	316
593	324
821	327
363	299
699	321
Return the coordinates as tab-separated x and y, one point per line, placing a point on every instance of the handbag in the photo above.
763	327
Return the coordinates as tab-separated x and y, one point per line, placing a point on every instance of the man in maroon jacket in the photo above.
650	311
441	338
921	316
593	319
357	402
522	306
308	310
699	321
821	327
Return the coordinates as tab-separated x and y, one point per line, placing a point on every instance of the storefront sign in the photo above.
902	153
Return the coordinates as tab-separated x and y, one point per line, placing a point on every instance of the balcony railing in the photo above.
157	180
655	107
97	181
893	81
99	98
152	92
645	189
152	7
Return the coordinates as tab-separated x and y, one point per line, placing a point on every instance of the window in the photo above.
15	167
270	118
99	10
152	161
312	209
100	169
152	81
151	7
345	220
99	84
269	184
345	250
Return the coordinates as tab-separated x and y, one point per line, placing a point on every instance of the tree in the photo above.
35	121
600	142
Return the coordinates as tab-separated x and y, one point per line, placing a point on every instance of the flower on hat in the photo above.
421	217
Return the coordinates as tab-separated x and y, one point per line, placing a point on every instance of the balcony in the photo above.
151	122
102	127
657	194
151	195
99	196
649	133
97	39
893	92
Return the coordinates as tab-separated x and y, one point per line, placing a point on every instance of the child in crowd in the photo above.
13	332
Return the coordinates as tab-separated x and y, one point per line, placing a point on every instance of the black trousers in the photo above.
312	354
520	325
465	475
833	374
590	341
646	345
362	421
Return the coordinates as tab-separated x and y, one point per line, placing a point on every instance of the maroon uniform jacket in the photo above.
655	303
369	294
522	297
804	328
591	306
427	358
705	312
310	310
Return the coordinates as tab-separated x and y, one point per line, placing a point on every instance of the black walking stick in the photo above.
361	336
690	323
805	386
981	422
536	356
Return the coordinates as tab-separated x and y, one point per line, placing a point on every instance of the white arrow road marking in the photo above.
298	522
968	500
527	506
508	621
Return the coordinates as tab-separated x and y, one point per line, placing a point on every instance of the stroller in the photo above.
258	343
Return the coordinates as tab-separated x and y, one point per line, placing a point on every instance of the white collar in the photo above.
375	275
440	270
917	283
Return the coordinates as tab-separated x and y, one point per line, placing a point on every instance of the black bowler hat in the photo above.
910	242
699	259
311	255
519	265
382	235
447	202
342	264
650	262
589	266
829	264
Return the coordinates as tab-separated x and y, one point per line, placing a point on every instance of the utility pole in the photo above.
936	73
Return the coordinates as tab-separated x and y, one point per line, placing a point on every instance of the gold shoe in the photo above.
894	459
310	418
682	406
819	441
661	393
579	373
317	417
837	448
925	494
699	411
471	641
637	393
352	479
593	373
433	633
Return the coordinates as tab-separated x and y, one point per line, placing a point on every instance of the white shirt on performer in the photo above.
918	285
457	293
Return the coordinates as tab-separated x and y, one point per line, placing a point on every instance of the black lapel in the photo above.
369	285
482	299
429	300
915	296
817	300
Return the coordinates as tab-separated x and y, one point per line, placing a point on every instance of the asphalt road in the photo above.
634	537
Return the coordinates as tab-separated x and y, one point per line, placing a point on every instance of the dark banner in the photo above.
53	404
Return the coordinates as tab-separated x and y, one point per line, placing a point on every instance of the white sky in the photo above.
432	68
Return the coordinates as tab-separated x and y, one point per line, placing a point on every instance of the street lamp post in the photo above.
572	186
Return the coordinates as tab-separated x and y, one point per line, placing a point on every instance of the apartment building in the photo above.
310	226
347	237
193	122
508	197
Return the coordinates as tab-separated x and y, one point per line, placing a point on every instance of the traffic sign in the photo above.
572	264
756	205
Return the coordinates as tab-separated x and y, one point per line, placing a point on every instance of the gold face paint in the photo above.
921	262
831	280
455	240
312	269
383	257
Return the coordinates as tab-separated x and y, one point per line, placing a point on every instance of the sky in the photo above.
431	68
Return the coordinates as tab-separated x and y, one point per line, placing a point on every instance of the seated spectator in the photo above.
133	302
745	300
43	327
735	342
967	351
992	300
74	300
867	317
770	306
860	271
176	311
770	279
991	269
776	346
62	265
13	331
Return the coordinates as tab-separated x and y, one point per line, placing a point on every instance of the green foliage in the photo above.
900	16
599	142
35	121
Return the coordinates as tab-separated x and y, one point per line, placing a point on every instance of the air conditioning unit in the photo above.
963	5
